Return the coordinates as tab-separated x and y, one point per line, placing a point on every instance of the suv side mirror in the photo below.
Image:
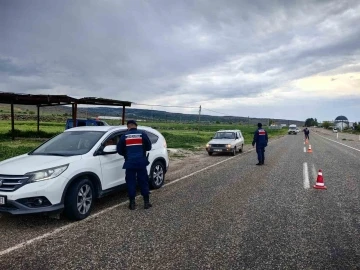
110	149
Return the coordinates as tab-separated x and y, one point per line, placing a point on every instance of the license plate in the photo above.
217	150
2	200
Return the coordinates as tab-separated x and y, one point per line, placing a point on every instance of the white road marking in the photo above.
306	176
339	143
314	173
92	216
304	149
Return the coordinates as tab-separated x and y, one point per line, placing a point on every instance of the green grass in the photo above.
177	135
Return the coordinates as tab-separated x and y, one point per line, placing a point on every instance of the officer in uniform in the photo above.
133	145
307	133
261	141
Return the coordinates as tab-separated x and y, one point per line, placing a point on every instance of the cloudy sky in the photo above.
260	58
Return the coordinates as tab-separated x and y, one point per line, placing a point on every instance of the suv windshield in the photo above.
69	143
224	135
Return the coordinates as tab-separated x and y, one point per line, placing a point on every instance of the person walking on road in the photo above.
133	145
307	133
261	141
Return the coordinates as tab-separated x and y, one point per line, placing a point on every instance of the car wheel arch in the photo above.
162	160
94	178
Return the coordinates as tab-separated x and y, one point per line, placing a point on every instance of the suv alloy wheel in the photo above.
157	175
79	200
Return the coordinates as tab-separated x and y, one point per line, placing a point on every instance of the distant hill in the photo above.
146	115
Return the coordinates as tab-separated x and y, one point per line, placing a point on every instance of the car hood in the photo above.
221	141
28	163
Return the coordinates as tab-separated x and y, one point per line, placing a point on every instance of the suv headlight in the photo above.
47	173
208	145
228	145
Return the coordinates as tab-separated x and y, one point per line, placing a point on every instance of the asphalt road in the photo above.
233	215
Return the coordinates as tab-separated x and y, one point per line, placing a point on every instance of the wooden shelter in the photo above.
56	100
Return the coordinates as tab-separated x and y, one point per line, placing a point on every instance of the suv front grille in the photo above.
12	182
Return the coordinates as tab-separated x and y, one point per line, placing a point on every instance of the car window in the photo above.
153	138
224	135
69	143
81	123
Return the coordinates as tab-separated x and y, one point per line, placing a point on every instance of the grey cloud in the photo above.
137	50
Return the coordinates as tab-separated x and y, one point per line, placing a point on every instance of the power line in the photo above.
169	106
214	111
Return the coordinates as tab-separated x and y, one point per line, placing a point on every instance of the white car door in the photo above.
241	139
111	165
237	140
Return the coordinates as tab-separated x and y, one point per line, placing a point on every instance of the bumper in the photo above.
51	189
219	149
292	132
16	208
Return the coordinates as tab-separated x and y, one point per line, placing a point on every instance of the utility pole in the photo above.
248	120
199	119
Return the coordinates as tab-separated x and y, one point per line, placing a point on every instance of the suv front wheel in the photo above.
79	200
157	175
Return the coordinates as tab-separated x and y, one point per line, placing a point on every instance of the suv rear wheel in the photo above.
79	200
157	175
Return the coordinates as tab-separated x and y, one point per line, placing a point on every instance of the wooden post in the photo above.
12	122
38	118
199	119
123	116
74	111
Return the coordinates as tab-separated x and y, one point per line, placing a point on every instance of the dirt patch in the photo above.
184	162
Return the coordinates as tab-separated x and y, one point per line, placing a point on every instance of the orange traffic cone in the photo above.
309	150
320	181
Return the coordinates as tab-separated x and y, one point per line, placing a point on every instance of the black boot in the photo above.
147	203
132	204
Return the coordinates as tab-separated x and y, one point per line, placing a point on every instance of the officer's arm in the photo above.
120	147
146	142
255	138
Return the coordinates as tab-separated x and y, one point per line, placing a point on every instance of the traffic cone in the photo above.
306	141
320	181
309	150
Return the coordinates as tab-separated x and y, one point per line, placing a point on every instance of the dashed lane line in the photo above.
306	175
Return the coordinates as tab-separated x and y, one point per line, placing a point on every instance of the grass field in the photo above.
177	135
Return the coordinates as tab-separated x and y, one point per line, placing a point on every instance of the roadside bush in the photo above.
31	134
9	152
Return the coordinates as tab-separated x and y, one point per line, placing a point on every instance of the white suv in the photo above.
229	141
68	171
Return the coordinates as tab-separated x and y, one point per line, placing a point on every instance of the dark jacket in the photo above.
260	138
306	131
133	146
